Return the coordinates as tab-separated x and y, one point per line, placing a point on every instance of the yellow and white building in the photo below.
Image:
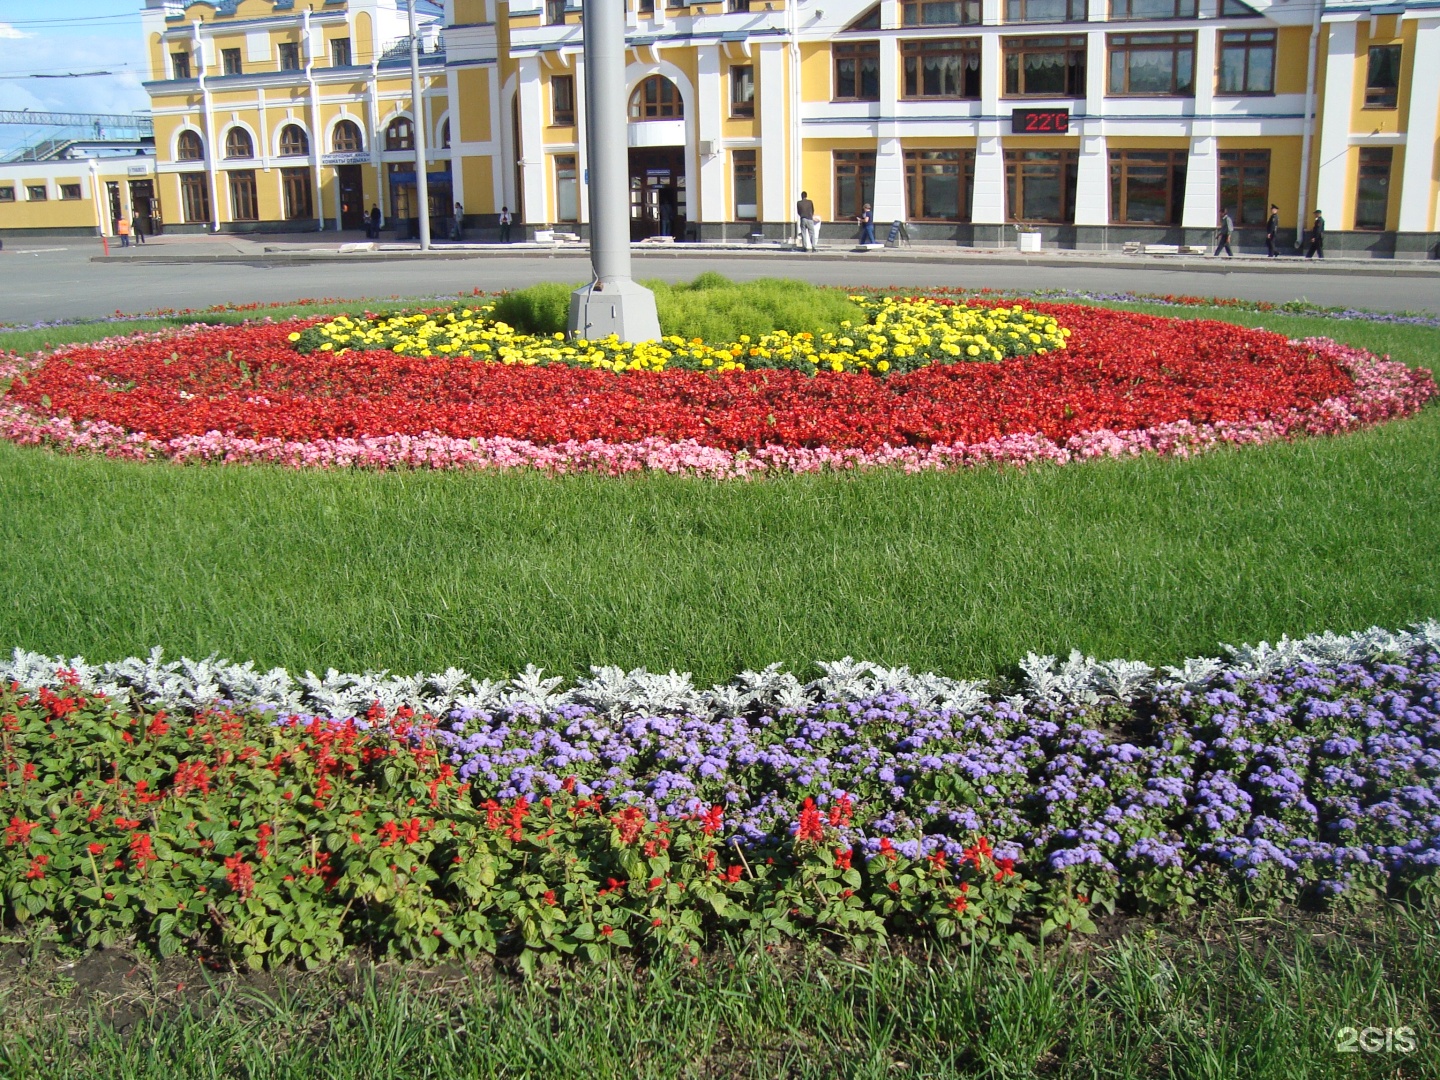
1097	121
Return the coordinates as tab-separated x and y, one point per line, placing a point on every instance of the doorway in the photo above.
658	204
142	203
352	196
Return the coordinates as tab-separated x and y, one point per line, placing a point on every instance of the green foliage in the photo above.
711	308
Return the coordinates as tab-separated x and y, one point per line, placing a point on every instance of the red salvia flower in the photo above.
241	877
811	827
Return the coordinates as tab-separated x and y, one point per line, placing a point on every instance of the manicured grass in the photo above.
1229	996
961	573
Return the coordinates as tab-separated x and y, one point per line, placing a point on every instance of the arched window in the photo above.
347	139
189	147
293	141
445	135
400	135
238	144
657	98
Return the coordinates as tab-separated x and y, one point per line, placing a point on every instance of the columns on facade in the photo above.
1332	177
1202	183
1092	184
531	151
710	101
774	138
582	148
987	205
1417	202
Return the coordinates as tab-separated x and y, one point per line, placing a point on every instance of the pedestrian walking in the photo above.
457	226
1272	231
867	225
138	231
1317	237
805	211
1222	234
373	232
122	230
505	220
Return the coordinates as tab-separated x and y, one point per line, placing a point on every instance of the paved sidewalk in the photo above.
299	249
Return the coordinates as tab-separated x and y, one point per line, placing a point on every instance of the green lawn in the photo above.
961	573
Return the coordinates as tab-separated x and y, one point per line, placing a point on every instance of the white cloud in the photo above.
9	32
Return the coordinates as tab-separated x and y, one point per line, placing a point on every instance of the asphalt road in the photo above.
43	280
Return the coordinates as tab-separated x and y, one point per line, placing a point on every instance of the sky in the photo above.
42	39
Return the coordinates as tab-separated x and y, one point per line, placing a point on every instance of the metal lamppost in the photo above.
614	303
422	181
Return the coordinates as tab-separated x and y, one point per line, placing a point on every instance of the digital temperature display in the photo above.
1040	121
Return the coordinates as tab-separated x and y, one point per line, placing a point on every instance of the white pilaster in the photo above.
582	137
1202	185
992	74
531	150
711	102
1417	209
501	166
1331	182
1205	70
988	205
1095	72
888	202
770	90
1092	184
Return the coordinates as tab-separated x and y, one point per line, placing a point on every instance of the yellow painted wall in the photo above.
552	133
1284	171
473	90
479	185
363	43
469	12
54	212
1120	142
746	127
1292	59
814	72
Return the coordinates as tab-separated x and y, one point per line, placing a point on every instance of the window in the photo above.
1147	187
645	7
189	147
854	182
562	99
1372	191
656	99
1247	62
7	193
340	52
289	56
1152	64
747	203
1018	11
180	65
857	71
567	188
1136	10
242	196
296	185
1245	185
937	13
554	12
230	62
869	20
445	134
742	90
737	5
238	144
939	184
194	197
293	141
944	68
36	192
70	192
347	138
1382	83
1045	67
400	135
1040	185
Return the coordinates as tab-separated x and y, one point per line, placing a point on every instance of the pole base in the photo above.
624	308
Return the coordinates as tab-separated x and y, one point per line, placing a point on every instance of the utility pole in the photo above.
613	303
422	181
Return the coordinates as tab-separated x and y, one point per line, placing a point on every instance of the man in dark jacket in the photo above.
1317	237
1272	230
1222	234
805	211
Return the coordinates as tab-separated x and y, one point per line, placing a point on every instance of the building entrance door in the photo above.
658	204
352	196
142	203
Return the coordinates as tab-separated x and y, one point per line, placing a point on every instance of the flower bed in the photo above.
636	810
1125	384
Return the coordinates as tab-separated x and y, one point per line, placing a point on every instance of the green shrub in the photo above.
711	307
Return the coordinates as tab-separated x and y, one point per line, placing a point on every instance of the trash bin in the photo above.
1028	241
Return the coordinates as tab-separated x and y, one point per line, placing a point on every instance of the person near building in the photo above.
867	225
505	220
805	211
457	225
1317	237
374	230
1272	231
1222	234
122	230
137	230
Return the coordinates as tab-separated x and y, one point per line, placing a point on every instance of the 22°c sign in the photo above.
1039	121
